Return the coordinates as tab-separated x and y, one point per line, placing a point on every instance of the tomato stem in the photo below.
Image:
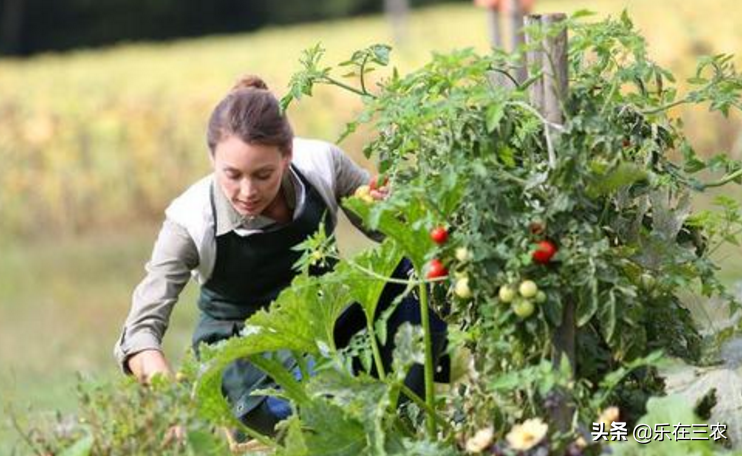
375	347
427	338
423	405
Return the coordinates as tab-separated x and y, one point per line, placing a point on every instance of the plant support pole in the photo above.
547	57
429	368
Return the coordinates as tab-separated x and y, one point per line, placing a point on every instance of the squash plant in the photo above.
598	215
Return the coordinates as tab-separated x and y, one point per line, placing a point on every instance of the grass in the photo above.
63	299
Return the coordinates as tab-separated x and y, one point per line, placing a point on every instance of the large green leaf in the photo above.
363	398
412	239
424	448
671	409
293	444
329	431
366	288
300	320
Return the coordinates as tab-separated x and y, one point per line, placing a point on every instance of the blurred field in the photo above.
94	144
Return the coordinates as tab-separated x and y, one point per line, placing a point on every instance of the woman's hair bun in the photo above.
250	82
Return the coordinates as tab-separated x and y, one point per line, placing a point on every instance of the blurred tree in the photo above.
11	26
29	26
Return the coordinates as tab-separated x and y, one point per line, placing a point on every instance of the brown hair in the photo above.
250	112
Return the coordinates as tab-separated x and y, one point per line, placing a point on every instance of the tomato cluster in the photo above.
523	299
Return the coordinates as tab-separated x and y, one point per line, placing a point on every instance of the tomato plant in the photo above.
608	191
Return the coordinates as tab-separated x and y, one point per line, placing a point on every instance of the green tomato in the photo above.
540	297
462	289
463	254
528	289
523	308
506	293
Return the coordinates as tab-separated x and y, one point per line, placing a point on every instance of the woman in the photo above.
233	231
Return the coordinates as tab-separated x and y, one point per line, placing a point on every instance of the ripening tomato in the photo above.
544	251
436	269
439	235
536	228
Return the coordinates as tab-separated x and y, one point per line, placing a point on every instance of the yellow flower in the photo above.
480	441
525	436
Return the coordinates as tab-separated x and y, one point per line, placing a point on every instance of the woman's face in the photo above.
249	174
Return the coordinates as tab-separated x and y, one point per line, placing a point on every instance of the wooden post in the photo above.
397	12
515	18
547	95
493	25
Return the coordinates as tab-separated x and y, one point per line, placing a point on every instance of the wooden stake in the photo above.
547	95
493	25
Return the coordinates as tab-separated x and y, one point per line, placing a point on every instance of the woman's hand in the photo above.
148	363
145	365
379	188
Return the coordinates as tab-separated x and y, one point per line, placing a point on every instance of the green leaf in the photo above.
413	242
607	316
409	348
366	289
205	442
623	175
495	112
671	409
329	431
587	304
363	398
301	319
424	448
275	369
582	13
82	447
293	444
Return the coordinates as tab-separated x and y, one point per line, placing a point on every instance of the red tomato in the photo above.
439	235
544	251
436	269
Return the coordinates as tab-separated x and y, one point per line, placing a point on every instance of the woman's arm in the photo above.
138	350
348	177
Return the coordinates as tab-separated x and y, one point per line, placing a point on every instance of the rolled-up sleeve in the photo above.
174	256
348	175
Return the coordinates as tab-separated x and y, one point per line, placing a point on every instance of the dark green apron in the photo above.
248	275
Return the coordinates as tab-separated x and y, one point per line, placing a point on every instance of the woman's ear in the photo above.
286	158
